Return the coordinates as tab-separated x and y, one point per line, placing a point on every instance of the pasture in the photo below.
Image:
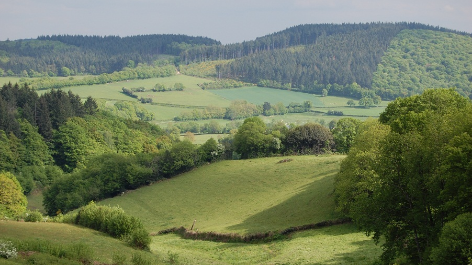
342	244
249	196
239	196
259	95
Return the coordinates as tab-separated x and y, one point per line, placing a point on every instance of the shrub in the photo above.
115	222
7	250
139	238
33	216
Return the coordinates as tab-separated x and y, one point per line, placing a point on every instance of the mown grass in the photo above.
104	247
242	196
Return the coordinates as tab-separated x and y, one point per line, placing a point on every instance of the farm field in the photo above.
259	95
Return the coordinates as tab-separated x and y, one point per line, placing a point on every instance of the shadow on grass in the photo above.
312	204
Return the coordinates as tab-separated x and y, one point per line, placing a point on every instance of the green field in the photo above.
248	196
104	246
335	245
259	95
239	196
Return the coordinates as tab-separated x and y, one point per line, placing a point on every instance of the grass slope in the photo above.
103	245
242	196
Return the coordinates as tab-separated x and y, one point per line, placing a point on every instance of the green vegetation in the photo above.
12	200
90	54
259	95
333	245
53	243
402	180
420	59
255	195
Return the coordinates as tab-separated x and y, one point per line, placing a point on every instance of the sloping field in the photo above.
242	196
104	246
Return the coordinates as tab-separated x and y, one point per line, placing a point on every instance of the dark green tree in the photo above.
411	177
310	138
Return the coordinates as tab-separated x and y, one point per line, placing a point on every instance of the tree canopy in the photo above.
408	175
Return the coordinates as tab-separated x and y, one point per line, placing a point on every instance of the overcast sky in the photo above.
228	21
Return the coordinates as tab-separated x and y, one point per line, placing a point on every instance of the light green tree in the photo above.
12	200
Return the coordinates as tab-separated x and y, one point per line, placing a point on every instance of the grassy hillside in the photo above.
241	196
104	247
250	196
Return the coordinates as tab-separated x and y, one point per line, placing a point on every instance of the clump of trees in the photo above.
408	174
254	139
241	109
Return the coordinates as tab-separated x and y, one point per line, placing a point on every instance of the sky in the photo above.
228	21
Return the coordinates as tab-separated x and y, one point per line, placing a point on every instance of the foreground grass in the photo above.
104	247
243	196
341	244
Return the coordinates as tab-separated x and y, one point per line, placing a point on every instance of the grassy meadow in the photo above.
335	245
239	196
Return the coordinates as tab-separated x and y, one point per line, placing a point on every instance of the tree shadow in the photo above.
313	203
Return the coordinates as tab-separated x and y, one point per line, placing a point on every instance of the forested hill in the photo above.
339	58
308	34
89	54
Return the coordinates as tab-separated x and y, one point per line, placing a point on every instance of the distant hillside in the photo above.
338	58
421	59
89	54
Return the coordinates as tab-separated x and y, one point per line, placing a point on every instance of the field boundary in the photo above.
262	237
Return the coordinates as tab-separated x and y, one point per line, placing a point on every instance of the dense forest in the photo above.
342	55
62	55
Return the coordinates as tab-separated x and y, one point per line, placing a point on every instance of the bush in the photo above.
7	250
139	238
115	222
33	216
